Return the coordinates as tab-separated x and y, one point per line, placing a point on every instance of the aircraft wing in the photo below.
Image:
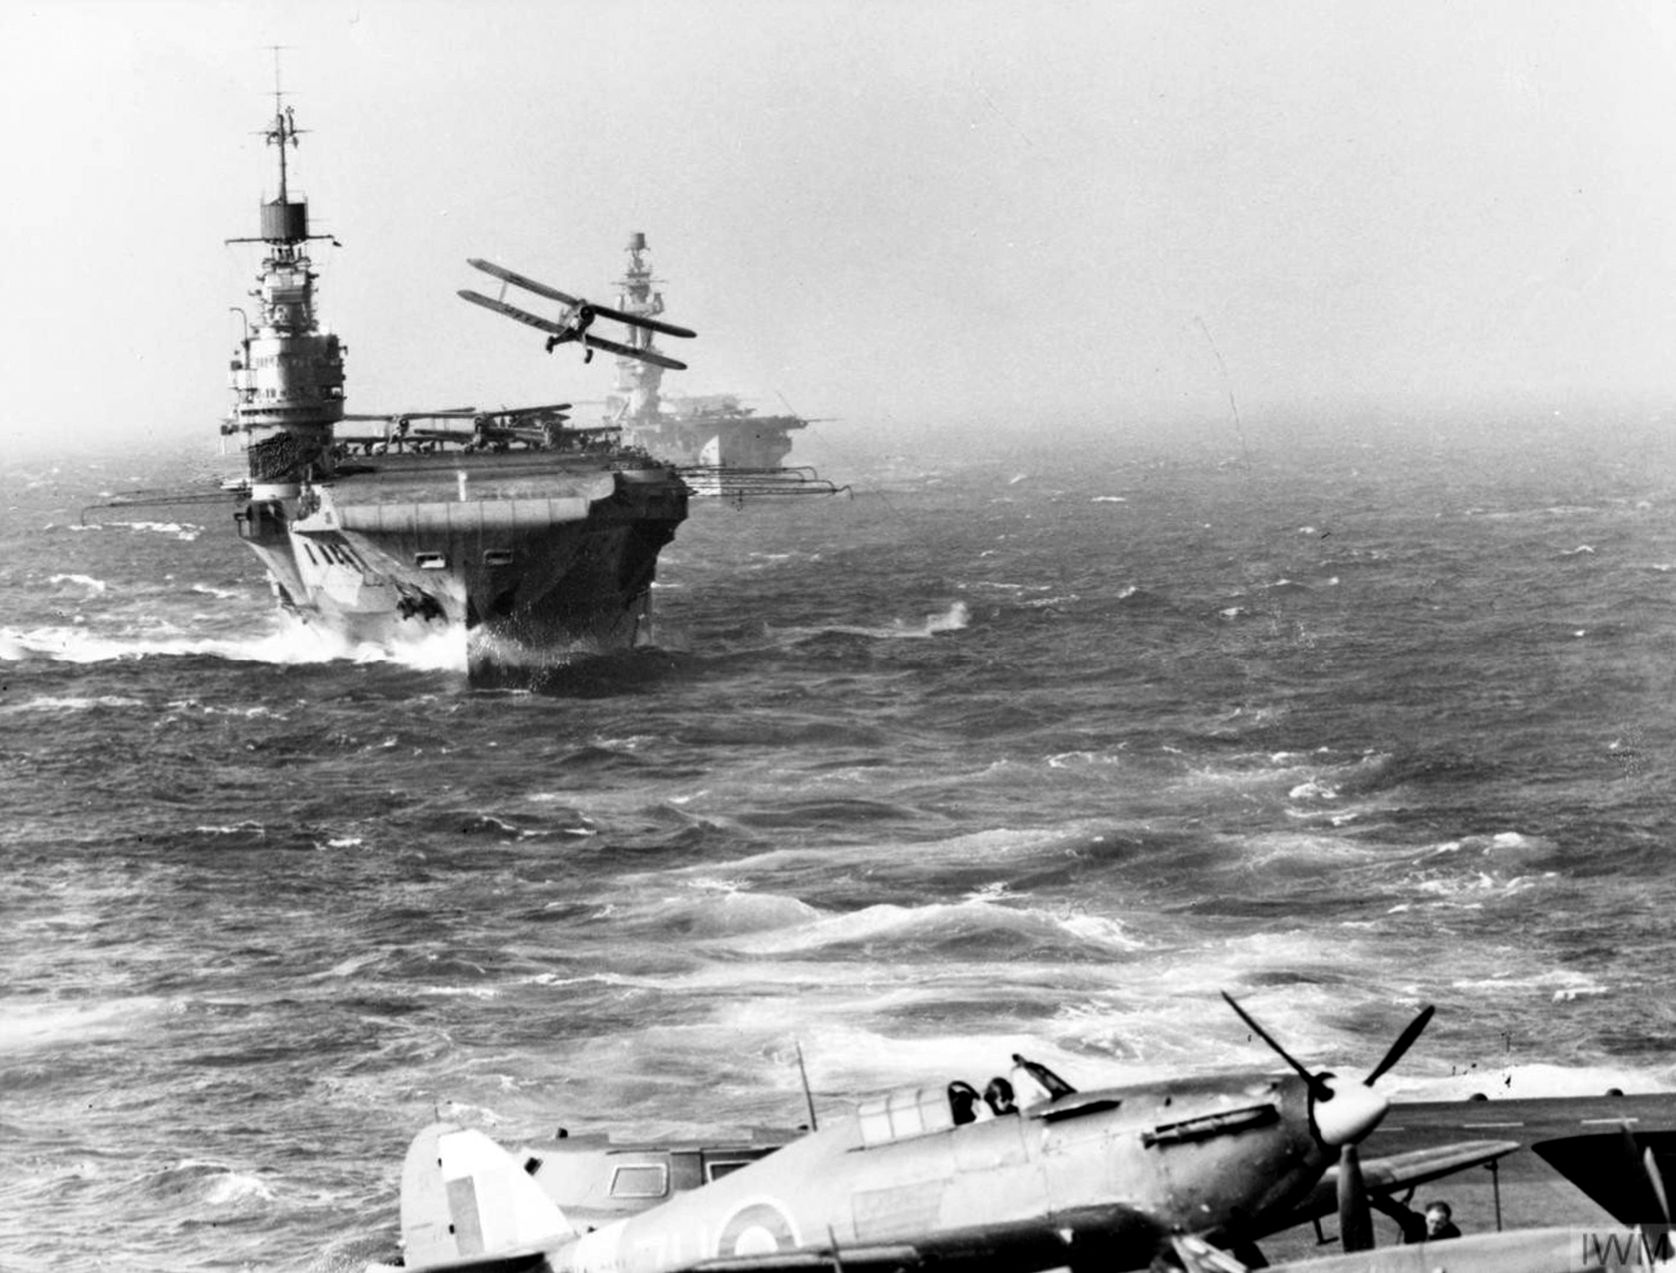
512	413
1524	1250
644	355
1623	1171
512	311
522	1262
1394	1172
518	280
640	320
393	416
894	1256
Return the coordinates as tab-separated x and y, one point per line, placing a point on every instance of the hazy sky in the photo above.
892	213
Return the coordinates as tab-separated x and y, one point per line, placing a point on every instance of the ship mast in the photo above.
636	403
287	376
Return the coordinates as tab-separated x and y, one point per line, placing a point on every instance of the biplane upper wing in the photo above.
518	280
628	351
1396	1171
513	312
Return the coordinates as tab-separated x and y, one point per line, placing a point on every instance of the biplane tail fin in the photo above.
467	1203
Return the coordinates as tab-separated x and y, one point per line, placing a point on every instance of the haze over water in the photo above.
1018	750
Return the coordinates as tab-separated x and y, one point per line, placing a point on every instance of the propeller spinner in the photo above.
1342	1116
1341	1113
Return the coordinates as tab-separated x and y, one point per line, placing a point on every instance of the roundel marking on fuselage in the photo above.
760	1227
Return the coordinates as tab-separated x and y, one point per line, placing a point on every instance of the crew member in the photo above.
999	1096
1436	1224
1440	1222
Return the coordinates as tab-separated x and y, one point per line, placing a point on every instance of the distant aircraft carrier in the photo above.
723	447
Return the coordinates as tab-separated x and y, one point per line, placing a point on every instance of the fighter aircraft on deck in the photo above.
578	317
1090	1179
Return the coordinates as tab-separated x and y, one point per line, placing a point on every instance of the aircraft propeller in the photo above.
1343	1116
1355	1220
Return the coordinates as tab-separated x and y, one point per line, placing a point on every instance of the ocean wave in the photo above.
940	924
72	703
1527	1081
183	531
1559	984
209	1183
1083	759
88	582
733	912
287	643
1000	848
25	1024
955	618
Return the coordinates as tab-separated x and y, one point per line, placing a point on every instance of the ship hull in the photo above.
716	444
518	559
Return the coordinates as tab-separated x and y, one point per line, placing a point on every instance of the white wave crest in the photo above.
287	642
81	581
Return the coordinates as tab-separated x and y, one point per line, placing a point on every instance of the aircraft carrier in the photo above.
517	535
722	446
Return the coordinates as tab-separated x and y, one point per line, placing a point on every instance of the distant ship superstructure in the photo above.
723	447
522	536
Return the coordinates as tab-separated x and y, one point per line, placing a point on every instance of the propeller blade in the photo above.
1355	1220
1655	1178
1316	1086
1405	1040
1648	1163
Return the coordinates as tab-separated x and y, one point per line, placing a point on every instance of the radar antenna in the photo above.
283	131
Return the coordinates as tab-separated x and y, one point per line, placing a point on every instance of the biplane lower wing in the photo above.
628	351
513	312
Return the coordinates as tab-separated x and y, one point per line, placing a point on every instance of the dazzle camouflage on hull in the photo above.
510	531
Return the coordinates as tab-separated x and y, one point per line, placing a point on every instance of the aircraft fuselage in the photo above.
1099	1175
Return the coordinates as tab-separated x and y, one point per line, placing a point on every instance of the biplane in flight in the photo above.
575	323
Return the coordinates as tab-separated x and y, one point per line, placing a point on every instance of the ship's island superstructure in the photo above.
518	534
722	446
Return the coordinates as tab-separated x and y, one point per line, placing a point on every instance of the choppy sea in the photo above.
1033	749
